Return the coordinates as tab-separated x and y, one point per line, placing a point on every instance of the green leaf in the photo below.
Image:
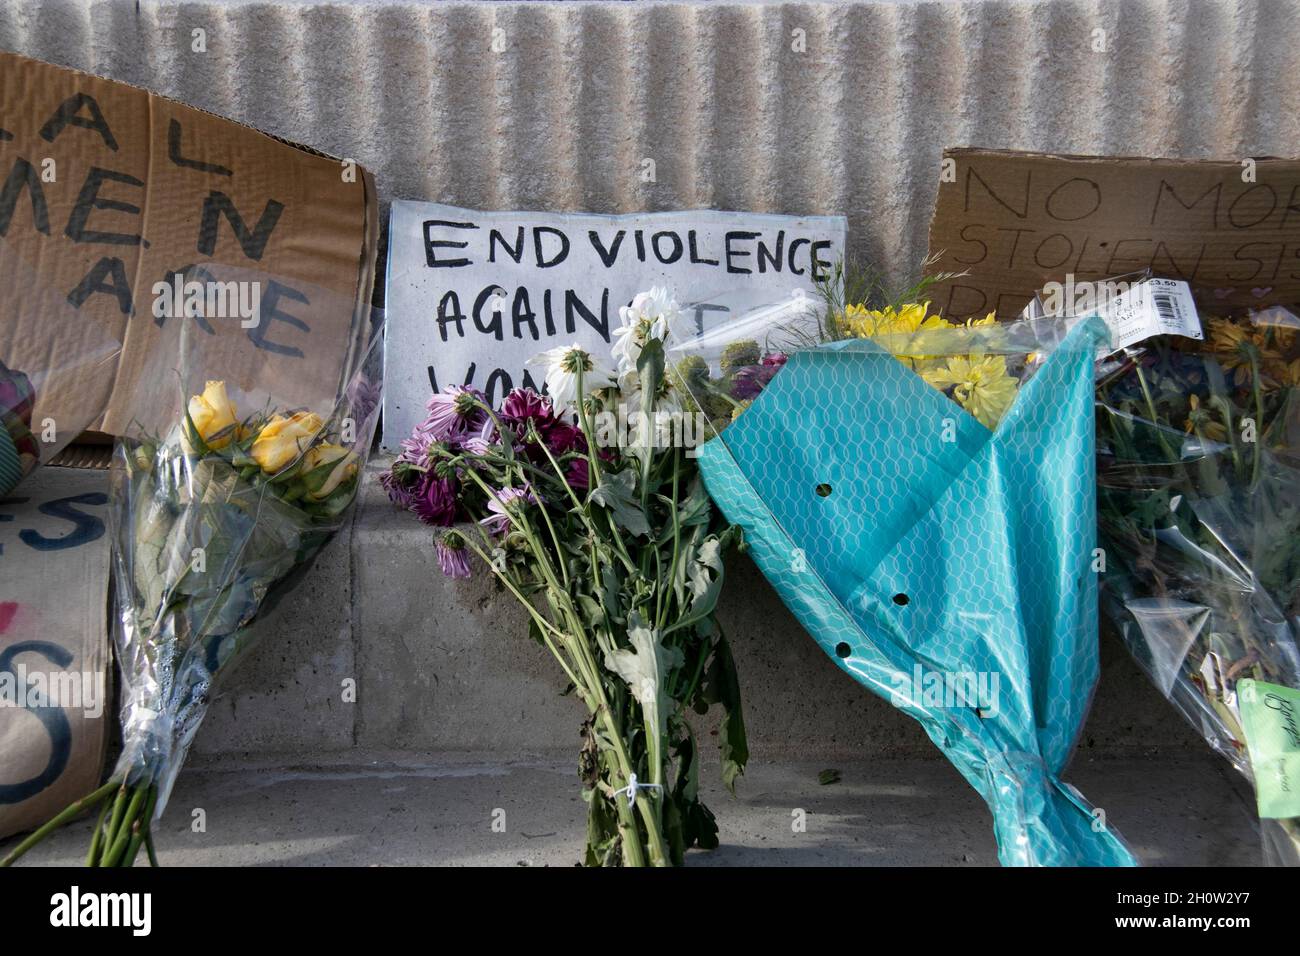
650	368
702	581
645	668
692	511
827	777
722	686
617	493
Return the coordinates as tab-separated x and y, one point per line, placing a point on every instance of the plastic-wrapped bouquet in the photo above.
1199	474
586	506
210	522
920	494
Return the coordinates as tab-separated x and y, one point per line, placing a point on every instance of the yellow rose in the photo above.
326	453
213	415
282	440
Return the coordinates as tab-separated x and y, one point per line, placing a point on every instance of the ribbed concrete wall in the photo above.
557	105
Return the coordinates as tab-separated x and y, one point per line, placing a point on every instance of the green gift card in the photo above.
1270	714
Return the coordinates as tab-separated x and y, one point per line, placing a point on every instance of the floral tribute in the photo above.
610	543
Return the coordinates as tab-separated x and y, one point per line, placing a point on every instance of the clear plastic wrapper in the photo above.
210	523
921	499
212	518
50	391
1199	508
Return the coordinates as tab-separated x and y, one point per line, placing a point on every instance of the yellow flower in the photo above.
1226	335
344	468
864	323
1286	374
213	415
282	440
1234	345
1202	421
979	383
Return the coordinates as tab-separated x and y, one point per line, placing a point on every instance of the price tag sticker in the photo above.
1152	307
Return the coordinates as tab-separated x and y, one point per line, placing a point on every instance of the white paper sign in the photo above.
471	296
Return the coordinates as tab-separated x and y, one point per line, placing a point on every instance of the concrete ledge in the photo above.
408	810
447	665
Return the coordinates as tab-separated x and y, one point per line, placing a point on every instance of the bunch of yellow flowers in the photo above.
280	446
979	382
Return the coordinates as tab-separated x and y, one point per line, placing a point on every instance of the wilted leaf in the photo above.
645	668
617	493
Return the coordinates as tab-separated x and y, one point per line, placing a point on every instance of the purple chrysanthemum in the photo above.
435	501
524	407
481	441
500	504
578	474
750	381
523	404
453	556
400	491
454	414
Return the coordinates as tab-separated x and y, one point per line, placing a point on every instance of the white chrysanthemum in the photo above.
561	367
652	314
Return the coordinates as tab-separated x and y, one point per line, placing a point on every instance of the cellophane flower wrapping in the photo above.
45	396
212	520
921	496
1199	508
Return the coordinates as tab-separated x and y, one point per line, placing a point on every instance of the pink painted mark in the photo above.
8	609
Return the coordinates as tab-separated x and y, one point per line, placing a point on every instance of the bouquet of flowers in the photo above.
1199	474
605	535
920	494
19	452
210	522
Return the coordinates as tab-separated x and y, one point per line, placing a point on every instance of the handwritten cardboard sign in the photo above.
1015	221
107	190
55	688
471	296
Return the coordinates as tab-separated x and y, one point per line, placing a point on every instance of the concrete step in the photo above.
444	665
439	809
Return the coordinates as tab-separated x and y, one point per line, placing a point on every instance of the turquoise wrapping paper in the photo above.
903	534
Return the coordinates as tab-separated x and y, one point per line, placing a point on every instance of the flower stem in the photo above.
70	813
140	828
114	821
98	835
130	821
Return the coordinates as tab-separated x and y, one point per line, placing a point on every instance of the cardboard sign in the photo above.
107	190
55	692
1016	221
471	296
